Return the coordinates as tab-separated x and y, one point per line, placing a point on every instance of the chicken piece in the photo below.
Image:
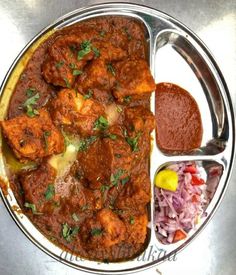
38	187
67	55
106	230
137	229
106	157
133	78
139	122
76	112
139	119
32	138
136	194
98	77
114	229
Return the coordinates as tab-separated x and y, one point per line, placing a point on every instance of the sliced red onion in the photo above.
177	210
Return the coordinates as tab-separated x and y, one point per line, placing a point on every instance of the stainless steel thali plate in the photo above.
176	55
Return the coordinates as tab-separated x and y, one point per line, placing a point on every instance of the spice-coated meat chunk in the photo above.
114	228
32	138
66	58
139	122
98	77
139	119
133	78
137	229
136	194
106	229
106	157
38	187
76	112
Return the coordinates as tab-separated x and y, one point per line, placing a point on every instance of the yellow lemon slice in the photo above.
167	179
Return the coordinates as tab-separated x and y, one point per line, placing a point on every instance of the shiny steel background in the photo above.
210	253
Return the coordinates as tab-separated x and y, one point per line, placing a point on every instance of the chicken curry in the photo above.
79	126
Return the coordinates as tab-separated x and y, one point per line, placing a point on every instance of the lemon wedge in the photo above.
167	179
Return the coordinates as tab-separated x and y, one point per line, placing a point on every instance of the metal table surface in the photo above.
214	21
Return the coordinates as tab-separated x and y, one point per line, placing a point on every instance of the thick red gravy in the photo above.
178	119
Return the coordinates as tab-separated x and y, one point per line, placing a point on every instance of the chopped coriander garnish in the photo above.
32	100
125	180
127	98
133	142
131	220
101	124
96	231
50	192
68	233
85	49
77	72
112	136
84	143
103	188
89	94
115	178
30	91
118	156
59	64
102	33
72	66
111	69
30	111
32	207
96	51
67	82
75	217
46	134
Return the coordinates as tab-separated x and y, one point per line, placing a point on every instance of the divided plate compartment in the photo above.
176	55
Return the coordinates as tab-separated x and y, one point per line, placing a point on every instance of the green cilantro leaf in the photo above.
85	49
77	72
85	143
131	220
101	124
89	94
46	134
111	69
30	91
127	98
115	178
133	142
50	192
67	82
96	51
32	207
59	64
68	233
96	231
30	111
